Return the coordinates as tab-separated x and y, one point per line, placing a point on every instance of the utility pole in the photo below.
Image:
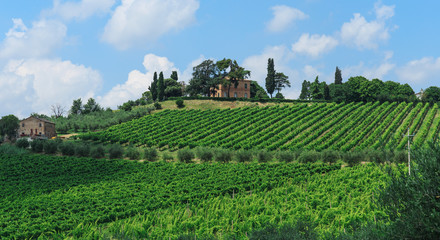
409	153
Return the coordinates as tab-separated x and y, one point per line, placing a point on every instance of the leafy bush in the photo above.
309	157
185	155
151	154
50	147
22	143
204	154
132	153
352	158
67	149
115	151
243	156
11	149
285	156
82	150
97	152
264	156
157	105
167	156
400	156
37	146
329	156
223	155
179	103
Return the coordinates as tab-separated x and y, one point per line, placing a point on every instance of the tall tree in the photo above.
257	91
281	81
338	76
230	73
270	78
174	75
91	106
305	90
326	92
203	79
153	87
160	88
77	107
57	110
9	125
315	90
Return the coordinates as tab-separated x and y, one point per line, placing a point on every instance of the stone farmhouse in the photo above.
37	128
243	90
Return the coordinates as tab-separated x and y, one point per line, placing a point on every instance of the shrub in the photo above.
352	158
157	105
67	149
376	156
22	143
309	157
82	150
223	155
150	154
179	103
97	152
243	156
329	156
167	156
115	151
11	149
50	147
205	154
400	156
264	156
185	155
37	146
132	153
285	156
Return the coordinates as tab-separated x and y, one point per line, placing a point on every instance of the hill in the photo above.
313	126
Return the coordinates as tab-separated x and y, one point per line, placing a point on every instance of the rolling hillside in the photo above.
313	126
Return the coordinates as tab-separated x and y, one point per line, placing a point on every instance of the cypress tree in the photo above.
305	90
174	75
326	92
270	79
338	76
153	87
160	88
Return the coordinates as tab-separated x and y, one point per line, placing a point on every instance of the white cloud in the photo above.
367	35
314	45
41	40
420	71
284	16
310	73
187	73
80	10
378	71
34	85
138	82
138	22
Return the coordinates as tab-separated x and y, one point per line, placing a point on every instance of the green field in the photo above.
311	126
60	197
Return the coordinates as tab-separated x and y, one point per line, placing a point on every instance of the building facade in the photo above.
243	90
37	128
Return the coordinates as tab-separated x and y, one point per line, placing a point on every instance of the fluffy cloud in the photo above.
80	10
284	16
138	82
41	40
419	71
378	71
314	45
367	35
34	85
137	22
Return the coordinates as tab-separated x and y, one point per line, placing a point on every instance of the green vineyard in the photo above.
311	126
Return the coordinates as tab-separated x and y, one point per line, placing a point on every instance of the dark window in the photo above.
40	124
22	125
245	85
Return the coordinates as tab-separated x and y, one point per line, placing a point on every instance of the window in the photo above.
245	95
245	86
40	125
21	125
226	95
218	94
235	94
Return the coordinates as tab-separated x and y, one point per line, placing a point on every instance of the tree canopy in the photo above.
9	125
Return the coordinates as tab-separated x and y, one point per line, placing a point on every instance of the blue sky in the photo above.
52	52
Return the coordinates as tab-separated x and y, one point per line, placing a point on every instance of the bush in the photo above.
150	154
22	143
132	153
157	105
11	149
185	155
243	156
285	156
37	146
82	150
97	152
223	155
400	156
179	103
115	151
50	147
329	156
352	158
204	154
264	156
67	149
167	156
309	157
